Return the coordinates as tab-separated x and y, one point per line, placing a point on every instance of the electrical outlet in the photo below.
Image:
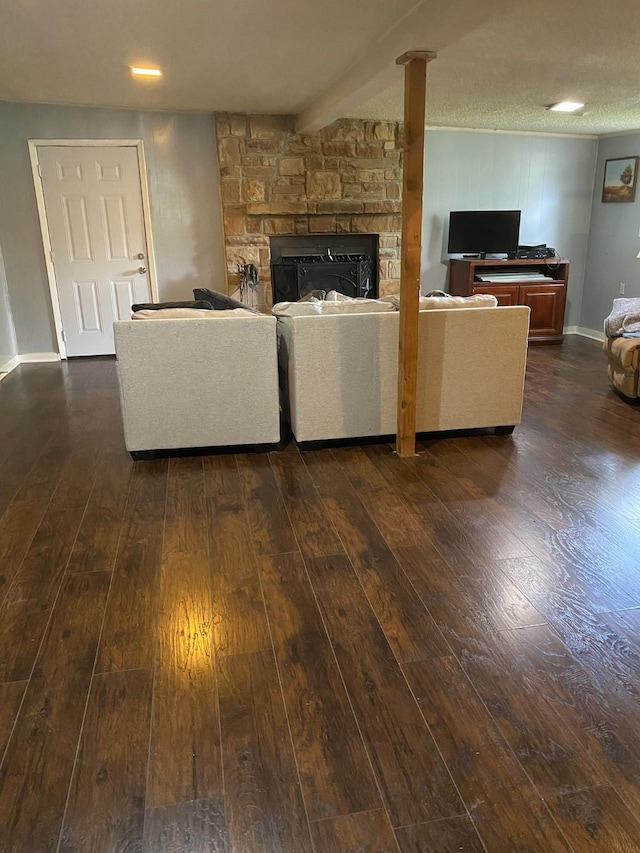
622	287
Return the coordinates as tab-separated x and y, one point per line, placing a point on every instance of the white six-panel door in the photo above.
93	205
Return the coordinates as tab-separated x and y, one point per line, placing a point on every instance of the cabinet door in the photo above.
506	294
546	302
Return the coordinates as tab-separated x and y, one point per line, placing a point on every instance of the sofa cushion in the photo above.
478	300
334	302
313	296
310	309
160	306
297	309
191	313
220	301
338	296
233	312
171	313
430	303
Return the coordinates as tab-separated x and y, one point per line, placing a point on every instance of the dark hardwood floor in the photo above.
333	650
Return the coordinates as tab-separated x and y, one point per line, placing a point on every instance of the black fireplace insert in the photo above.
347	263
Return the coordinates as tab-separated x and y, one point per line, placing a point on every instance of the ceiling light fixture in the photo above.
145	72
565	107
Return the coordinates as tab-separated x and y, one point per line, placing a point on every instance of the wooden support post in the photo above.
415	87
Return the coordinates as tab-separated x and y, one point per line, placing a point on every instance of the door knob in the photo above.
142	270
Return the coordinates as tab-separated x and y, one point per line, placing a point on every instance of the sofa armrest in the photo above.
198	382
471	367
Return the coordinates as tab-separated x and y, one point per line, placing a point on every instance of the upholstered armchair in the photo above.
623	365
622	346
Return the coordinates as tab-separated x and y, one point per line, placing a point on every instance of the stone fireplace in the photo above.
344	180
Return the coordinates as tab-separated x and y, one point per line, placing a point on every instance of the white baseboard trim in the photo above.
594	334
8	366
37	357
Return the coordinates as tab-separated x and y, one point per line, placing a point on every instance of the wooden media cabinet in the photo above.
546	299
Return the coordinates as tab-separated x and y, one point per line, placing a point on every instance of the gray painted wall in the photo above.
183	187
7	335
614	241
549	178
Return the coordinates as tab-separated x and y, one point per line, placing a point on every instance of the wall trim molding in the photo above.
620	133
8	366
431	127
594	334
38	357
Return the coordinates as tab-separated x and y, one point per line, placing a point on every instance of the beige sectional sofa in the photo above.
206	381
339	372
196	379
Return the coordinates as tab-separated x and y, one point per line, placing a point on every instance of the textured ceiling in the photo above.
260	56
496	72
503	74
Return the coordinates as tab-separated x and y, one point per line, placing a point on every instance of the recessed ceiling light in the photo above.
145	72
565	107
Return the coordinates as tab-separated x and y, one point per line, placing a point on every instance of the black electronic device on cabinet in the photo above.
539	252
483	232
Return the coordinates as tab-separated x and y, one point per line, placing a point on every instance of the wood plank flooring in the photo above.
325	651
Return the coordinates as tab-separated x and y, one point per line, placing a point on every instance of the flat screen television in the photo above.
483	232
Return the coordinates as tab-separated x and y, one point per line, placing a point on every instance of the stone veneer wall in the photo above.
347	178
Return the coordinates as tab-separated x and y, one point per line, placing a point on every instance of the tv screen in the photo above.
480	232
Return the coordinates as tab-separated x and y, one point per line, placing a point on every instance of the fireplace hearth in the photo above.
347	263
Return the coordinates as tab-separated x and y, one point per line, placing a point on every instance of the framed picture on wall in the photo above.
620	177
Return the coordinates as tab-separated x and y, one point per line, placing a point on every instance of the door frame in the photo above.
34	145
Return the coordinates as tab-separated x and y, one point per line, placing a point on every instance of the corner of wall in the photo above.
8	343
614	239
